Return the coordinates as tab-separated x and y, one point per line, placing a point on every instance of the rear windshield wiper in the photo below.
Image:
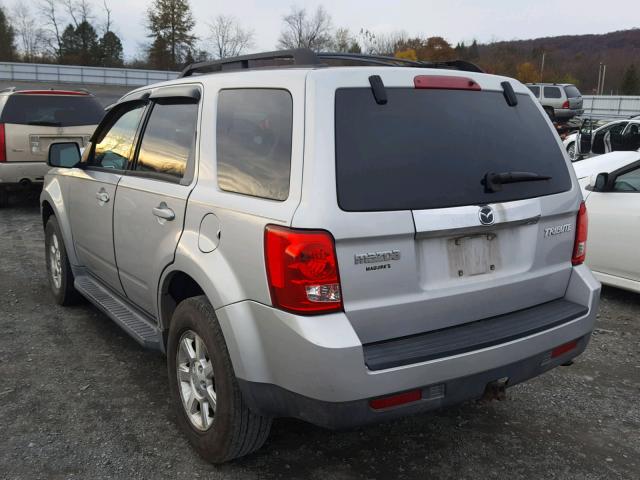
46	124
493	181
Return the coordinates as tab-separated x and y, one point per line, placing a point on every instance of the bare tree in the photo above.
381	43
49	11
228	38
31	36
301	30
107	19
78	10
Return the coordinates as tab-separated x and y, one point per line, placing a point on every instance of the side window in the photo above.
628	182
535	90
113	149
168	140
254	142
552	92
618	127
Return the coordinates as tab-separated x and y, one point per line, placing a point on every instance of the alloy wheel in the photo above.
195	380
55	261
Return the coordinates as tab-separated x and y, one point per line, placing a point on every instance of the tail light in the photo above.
580	245
3	144
565	104
302	270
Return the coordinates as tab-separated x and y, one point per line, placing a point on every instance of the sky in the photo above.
455	20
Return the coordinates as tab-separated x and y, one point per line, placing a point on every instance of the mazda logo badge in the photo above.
486	215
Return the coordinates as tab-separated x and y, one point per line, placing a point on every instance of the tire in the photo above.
550	113
58	268
571	151
234	430
4	197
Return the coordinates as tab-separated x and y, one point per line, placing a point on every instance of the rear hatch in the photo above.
413	252
33	121
574	97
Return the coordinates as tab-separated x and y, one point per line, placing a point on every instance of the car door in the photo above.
614	226
630	138
151	201
92	191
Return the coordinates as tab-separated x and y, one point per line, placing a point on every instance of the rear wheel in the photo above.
58	267
551	113
204	389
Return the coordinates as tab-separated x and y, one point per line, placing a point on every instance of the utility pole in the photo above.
542	65
602	71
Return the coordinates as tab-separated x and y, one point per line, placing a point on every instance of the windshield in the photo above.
52	110
432	148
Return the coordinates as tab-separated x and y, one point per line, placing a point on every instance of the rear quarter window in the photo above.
52	110
535	90
572	91
254	128
432	148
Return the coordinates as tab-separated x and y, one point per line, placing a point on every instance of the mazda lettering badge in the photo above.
486	215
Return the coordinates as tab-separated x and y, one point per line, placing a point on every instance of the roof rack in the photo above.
308	58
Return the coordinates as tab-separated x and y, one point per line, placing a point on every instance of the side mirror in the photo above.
64	155
598	183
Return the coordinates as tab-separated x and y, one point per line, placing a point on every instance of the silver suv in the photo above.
344	241
561	101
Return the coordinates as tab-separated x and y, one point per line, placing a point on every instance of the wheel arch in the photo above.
52	203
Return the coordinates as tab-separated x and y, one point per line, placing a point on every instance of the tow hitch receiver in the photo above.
496	390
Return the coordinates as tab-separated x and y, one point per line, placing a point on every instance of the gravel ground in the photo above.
79	399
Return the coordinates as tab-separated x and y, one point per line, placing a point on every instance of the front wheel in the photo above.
210	408
58	267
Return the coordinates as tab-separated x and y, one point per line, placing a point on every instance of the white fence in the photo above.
611	105
37	72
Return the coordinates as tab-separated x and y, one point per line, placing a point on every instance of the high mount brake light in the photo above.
580	244
302	270
445	82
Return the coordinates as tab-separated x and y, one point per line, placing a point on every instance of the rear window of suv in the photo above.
432	148
572	91
52	110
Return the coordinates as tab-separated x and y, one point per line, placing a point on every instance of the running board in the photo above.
129	319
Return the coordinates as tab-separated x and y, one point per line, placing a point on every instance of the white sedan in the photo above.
611	188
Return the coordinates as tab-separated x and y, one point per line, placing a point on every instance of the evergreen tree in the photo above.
79	46
110	48
474	51
630	82
7	39
170	24
69	46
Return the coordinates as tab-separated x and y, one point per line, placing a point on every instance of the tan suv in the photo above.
30	120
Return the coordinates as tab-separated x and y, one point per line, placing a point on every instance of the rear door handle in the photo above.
164	212
102	196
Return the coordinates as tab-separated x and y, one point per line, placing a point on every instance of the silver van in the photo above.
342	239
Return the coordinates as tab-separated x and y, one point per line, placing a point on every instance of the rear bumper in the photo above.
314	368
15	173
276	401
567	112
